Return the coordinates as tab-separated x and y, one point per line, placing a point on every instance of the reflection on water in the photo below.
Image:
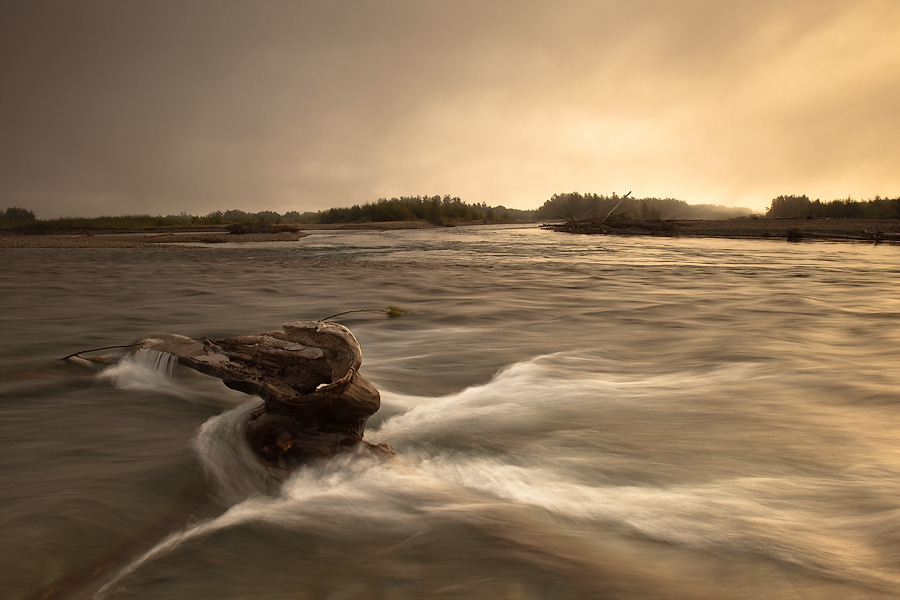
575	417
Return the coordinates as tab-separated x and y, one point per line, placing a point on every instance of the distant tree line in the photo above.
574	205
263	217
447	210
439	210
435	209
19	218
800	207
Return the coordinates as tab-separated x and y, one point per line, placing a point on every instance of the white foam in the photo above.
450	460
229	463
775	517
142	370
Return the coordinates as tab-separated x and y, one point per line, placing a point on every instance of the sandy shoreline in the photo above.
165	237
138	240
853	230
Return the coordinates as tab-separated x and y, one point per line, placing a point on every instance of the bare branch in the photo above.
79	353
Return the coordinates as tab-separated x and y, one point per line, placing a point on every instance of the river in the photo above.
574	417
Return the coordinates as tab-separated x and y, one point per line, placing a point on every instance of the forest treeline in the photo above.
439	210
20	218
801	207
586	206
435	209
447	210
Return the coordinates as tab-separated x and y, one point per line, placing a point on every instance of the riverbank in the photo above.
141	238
854	230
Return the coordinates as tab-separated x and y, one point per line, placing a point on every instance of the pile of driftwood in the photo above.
616	226
246	228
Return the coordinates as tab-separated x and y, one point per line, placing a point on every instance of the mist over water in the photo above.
574	417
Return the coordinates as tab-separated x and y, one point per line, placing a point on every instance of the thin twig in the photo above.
78	354
347	312
391	311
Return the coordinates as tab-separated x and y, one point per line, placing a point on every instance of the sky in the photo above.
170	106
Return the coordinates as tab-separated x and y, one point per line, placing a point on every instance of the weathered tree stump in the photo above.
315	402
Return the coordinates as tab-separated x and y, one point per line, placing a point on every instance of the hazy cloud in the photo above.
162	106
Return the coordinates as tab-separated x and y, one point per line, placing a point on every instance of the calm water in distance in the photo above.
574	417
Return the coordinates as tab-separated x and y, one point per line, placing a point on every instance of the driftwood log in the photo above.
315	402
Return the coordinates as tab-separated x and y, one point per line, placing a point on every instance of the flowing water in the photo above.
574	417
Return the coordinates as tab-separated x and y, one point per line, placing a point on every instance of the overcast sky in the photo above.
163	106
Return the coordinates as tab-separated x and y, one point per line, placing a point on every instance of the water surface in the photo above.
574	417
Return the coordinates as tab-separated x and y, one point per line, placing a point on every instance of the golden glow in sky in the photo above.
161	107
